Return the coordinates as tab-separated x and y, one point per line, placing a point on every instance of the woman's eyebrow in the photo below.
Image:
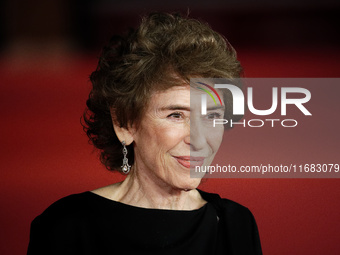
175	107
217	107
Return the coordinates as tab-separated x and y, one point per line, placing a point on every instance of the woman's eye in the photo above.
214	115
175	115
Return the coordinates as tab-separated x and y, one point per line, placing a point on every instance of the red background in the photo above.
45	154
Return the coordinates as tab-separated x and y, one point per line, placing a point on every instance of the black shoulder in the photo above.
67	205
58	226
66	209
239	224
227	205
228	208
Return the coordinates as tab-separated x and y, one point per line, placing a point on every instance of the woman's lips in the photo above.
190	162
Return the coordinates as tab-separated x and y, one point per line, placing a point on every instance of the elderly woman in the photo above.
140	117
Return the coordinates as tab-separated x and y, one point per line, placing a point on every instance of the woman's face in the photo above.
174	138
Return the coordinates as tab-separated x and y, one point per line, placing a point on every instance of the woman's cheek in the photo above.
215	138
173	131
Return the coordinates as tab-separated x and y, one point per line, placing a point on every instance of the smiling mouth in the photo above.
190	162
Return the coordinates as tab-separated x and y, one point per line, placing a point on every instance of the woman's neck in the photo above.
139	190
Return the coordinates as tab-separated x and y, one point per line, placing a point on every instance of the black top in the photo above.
87	223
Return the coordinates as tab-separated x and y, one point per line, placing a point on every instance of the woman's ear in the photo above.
122	133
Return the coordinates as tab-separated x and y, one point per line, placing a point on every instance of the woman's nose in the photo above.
197	136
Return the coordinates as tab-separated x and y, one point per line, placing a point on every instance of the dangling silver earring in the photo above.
125	167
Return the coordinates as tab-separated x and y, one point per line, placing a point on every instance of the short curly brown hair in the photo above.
165	50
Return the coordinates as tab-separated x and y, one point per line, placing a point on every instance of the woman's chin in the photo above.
190	184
